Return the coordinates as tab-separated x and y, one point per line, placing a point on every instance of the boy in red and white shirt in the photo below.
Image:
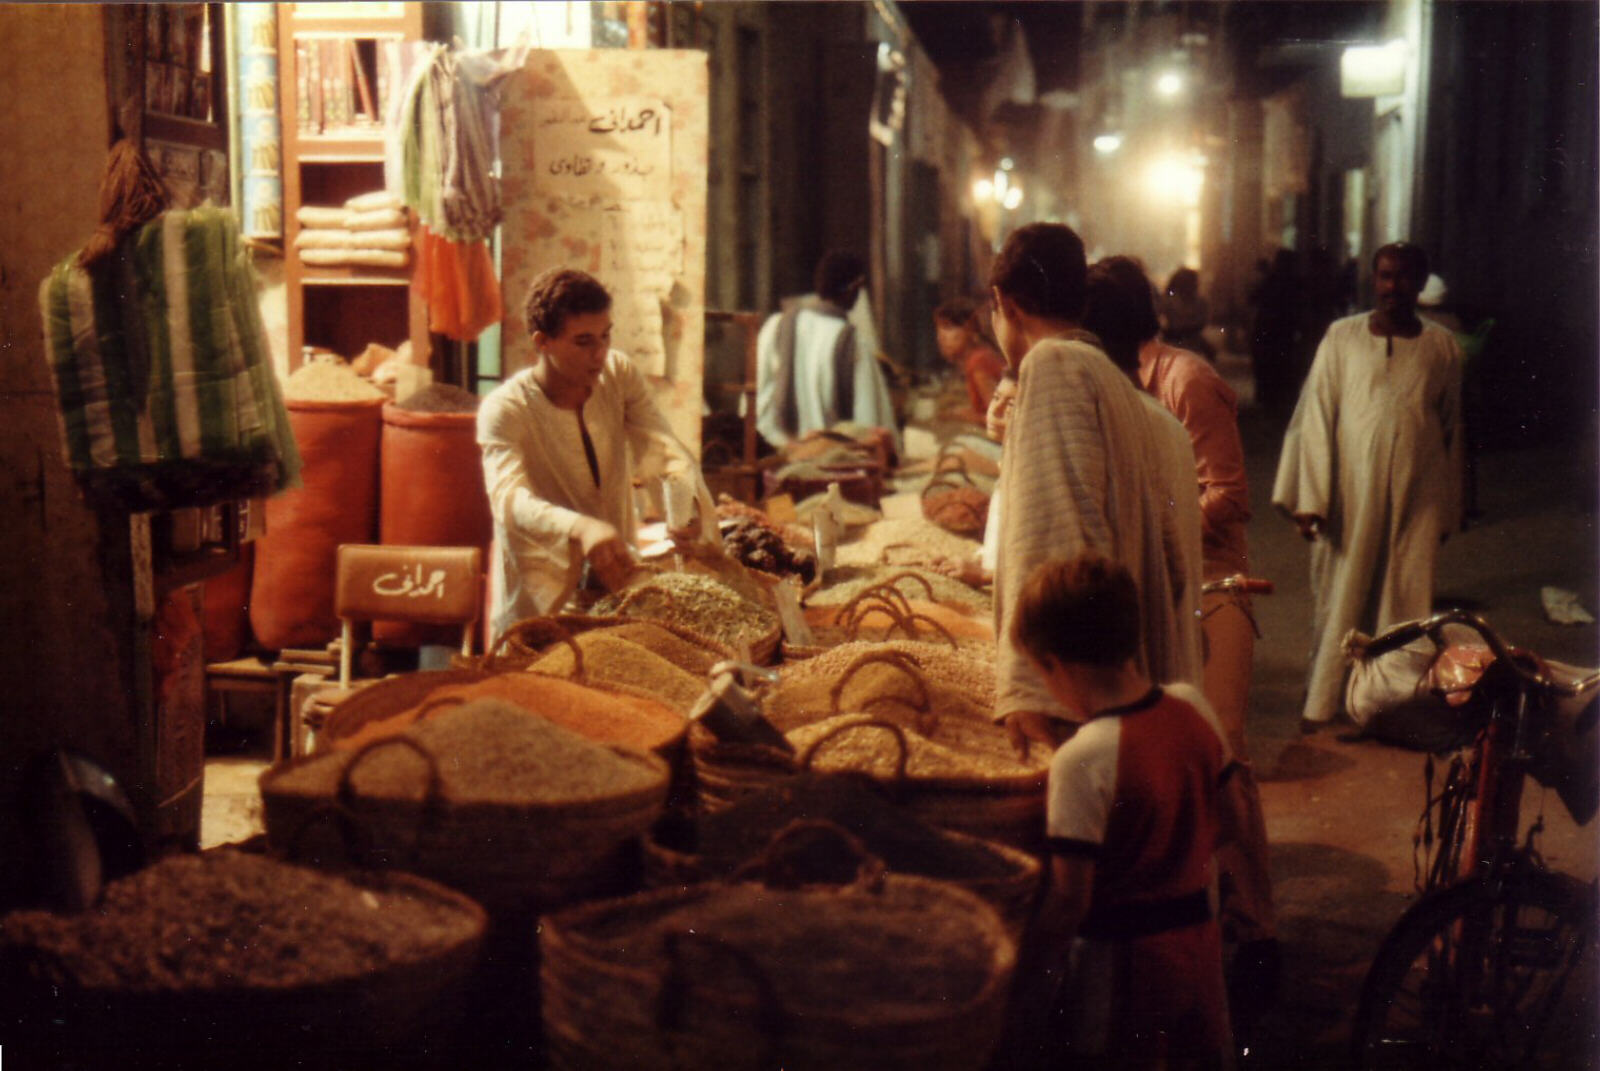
1126	943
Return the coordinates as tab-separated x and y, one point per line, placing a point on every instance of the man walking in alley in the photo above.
1371	467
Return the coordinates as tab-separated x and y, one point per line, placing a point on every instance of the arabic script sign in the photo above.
410	583
617	150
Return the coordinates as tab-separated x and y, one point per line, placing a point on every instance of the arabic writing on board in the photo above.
641	245
410	583
617	149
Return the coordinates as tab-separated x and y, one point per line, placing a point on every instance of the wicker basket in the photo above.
720	996
407	694
509	856
763	647
524	642
1011	893
1008	808
362	1016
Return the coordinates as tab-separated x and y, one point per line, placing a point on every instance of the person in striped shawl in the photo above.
1083	472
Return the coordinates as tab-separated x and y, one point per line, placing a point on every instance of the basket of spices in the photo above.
702	604
525	641
715	846
887	972
222	955
507	807
882	612
914	716
608	714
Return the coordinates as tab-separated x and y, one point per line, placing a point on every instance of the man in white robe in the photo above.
1371	468
816	360
1088	467
562	442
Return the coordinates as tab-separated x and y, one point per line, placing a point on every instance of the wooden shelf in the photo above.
343	307
352	148
352	275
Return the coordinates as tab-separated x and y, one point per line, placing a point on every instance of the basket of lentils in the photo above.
225	956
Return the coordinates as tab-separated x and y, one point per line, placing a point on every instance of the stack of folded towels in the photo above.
368	231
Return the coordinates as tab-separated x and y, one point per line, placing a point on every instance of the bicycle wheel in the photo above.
1474	976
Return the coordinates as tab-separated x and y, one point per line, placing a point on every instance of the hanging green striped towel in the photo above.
164	381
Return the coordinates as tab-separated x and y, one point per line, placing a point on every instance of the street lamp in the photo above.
1001	189
1169	84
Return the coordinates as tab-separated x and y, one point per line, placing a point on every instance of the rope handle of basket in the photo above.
909	622
626	600
867	601
580	672
788	844
673	999
893	584
904	663
809	756
432	796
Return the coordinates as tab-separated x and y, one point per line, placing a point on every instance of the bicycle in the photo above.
1477	973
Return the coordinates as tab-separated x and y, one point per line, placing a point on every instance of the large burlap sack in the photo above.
292	589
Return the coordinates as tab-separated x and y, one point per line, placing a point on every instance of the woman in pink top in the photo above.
965	342
1122	314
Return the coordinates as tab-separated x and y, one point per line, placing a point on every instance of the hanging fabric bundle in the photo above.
447	164
163	377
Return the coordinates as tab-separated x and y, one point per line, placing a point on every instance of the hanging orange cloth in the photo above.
457	282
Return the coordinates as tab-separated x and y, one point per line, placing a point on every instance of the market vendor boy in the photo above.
563	441
1124	943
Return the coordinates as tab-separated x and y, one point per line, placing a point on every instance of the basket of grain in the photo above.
951	773
880	612
904	541
713	847
960	771
845	582
526	640
211	957
897	972
955	503
862	676
608	714
511	809
704	605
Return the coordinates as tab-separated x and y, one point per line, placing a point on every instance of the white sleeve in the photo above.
766	391
1083	784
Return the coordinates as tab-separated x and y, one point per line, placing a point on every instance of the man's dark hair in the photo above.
839	277
957	311
559	293
1413	256
1041	268
1082	611
1121	309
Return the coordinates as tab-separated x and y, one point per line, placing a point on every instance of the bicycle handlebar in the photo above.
1401	635
1244	585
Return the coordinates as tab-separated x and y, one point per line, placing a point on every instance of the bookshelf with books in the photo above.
333	96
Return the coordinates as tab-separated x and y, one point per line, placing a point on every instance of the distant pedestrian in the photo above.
1371	467
1184	314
